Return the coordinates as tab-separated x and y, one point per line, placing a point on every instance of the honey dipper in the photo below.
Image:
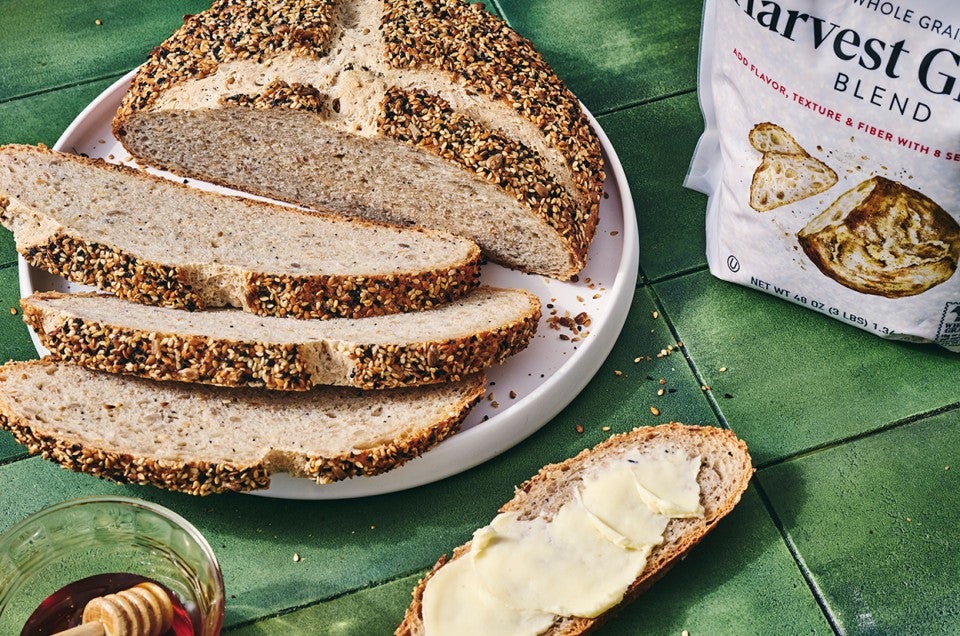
142	610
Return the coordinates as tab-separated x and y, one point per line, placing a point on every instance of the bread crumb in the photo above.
617	372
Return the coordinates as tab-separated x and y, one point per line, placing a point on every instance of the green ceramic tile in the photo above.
796	379
374	611
62	44
42	118
654	143
16	343
876	523
614	53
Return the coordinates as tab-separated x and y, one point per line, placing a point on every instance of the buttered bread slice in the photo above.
154	241
584	536
433	113
232	348
202	439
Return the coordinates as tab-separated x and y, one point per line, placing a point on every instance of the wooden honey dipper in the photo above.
142	610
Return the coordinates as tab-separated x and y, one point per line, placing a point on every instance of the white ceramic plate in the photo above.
523	394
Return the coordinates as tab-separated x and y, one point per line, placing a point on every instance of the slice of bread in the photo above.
431	113
201	439
158	242
232	348
884	238
768	137
781	179
725	470
787	173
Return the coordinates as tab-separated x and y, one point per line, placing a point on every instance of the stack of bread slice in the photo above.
238	338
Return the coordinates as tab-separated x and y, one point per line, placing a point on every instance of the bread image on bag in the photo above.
787	173
884	238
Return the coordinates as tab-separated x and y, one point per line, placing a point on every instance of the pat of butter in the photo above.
477	612
613	498
668	483
565	566
519	574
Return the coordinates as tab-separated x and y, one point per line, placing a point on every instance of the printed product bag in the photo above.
831	157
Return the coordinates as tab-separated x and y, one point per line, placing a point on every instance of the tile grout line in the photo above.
818	596
296	608
890	426
805	572
53	89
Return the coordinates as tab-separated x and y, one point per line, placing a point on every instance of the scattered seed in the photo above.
13	311
663	381
705	388
605	429
98	21
579	428
655	410
617	372
723	369
660	391
296	557
655	314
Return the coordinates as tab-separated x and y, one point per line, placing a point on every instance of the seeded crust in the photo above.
67	328
244	29
450	46
427	121
37	406
472	45
192	286
725	472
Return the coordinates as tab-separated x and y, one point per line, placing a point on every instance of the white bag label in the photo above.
831	156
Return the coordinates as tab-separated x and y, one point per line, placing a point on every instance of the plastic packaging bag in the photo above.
831	157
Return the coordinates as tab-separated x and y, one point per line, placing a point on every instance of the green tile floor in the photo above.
851	523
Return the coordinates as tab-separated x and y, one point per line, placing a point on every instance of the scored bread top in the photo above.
112	226
725	472
202	439
233	348
465	108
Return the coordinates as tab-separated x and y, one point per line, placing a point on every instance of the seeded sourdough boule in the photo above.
155	241
725	472
201	439
432	113
232	348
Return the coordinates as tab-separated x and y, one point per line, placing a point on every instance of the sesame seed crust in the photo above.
193	478
358	296
427	121
231	30
379	459
170	356
472	45
378	366
110	269
280	94
277	366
